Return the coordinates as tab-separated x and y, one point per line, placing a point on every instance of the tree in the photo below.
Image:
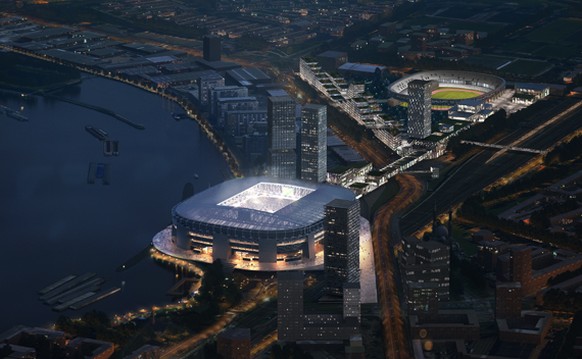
64	323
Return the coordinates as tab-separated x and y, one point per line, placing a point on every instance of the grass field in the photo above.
449	93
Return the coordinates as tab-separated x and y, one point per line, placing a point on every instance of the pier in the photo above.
93	284
135	259
61	307
95	298
56	284
71	284
98	133
98	109
75	292
17	115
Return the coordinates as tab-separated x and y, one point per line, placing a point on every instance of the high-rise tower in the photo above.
290	305
342	245
425	270
282	139
211	48
314	143
419	107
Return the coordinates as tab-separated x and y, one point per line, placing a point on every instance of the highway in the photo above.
385	236
479	171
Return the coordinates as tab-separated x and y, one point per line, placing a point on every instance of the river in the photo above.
53	223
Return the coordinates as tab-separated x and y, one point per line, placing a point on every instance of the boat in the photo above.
98	133
179	116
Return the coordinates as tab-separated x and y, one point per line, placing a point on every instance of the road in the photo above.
184	348
479	171
385	237
264	344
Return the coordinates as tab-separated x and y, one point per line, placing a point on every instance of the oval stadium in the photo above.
453	86
255	223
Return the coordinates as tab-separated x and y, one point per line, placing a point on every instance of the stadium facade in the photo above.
255	223
488	85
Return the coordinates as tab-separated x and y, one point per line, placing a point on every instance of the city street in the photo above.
385	238
252	299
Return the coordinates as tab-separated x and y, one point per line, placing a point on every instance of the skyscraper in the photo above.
290	305
211	48
314	143
282	139
419	107
425	270
342	245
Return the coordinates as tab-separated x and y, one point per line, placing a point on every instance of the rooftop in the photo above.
262	203
368	68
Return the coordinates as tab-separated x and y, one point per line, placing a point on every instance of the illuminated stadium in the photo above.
454	86
255	223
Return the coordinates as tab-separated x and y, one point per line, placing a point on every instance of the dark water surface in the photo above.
53	223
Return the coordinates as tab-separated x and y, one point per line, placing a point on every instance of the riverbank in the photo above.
187	106
56	220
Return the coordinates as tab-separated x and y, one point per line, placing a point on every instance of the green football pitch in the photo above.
445	93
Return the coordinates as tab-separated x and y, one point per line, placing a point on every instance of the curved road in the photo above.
385	237
184	348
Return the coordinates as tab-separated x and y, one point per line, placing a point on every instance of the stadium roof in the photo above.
208	206
368	68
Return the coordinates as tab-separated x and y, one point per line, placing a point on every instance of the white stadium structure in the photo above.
254	223
487	85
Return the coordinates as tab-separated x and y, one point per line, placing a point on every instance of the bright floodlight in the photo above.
267	197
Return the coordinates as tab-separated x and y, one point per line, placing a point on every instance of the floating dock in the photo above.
75	292
98	133
67	286
111	148
95	298
99	109
56	284
17	115
63	306
93	284
66	298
